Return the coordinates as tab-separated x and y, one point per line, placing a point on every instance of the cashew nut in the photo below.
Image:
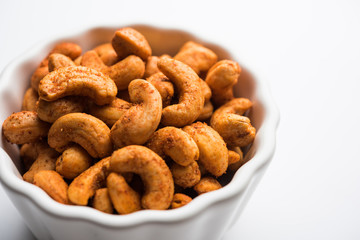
128	41
77	80
176	144
102	201
107	54
28	154
208	107
164	86
151	65
198	57
24	127
236	159
53	184
207	184
191	101
236	130
51	111
180	200
213	151
186	176
58	60
89	132
221	79
138	123
29	101
84	186
72	162
155	174
110	113
123	197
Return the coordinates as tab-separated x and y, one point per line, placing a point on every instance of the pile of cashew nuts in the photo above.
120	130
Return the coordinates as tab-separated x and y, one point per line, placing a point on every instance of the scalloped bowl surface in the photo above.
208	216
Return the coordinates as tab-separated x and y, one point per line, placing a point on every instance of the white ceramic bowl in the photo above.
208	216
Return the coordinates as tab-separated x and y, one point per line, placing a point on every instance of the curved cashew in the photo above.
58	60
24	127
198	57
213	151
138	123
123	197
110	113
236	160
208	107
207	184
186	176
191	101
29	101
84	186
155	174
127	41
235	129
87	131
28	155
176	144
51	111
77	80
180	200
70	50
122	73
107	54
72	162
151	65
53	184
164	86
102	201
221	79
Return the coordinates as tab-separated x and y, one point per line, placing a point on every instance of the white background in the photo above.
309	52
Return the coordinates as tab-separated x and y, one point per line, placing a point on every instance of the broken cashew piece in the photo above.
221	78
236	130
138	123
180	200
123	197
77	80
155	174
175	143
207	184
191	101
84	186
213	151
236	159
89	132
24	127
53	184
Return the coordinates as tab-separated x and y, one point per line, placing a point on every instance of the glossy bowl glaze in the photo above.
208	216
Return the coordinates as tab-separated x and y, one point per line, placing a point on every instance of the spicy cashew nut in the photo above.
207	184
89	132
29	100
186	176
180	200
102	201
138	123
164	86
155	174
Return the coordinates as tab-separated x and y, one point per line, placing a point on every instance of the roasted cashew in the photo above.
53	184
155	174
191	101
207	184
45	160
123	197
208	107
221	79
58	60
151	65
70	50
123	72
237	159
138	123
213	151
198	57
102	201
89	132
72	162
128	41
77	80
84	186
110	113
24	127
51	111
28	154
29	101
180	200
186	176
164	86
236	130
107	54
175	143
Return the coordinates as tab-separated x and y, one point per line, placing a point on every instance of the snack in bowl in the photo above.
147	143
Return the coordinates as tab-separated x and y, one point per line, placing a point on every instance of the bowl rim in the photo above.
267	134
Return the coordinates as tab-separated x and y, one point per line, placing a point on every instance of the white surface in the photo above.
310	53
